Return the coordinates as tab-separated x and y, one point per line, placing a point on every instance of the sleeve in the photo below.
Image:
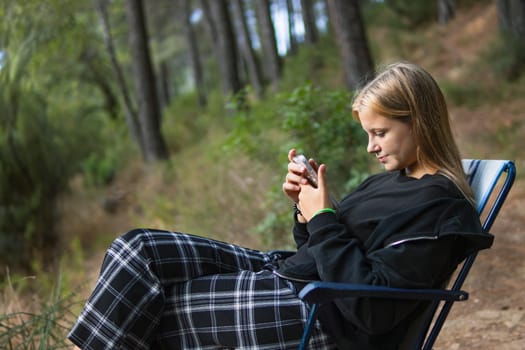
422	263
300	232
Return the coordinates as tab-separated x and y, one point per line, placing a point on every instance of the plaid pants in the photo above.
166	290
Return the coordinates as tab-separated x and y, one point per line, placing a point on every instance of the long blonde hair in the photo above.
407	91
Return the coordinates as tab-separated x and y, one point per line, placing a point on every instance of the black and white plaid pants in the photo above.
167	290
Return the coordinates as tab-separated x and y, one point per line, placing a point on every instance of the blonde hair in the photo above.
407	91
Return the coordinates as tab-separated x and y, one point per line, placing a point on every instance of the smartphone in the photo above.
311	174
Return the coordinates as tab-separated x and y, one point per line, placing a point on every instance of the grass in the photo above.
45	327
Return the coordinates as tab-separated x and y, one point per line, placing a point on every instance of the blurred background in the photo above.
178	114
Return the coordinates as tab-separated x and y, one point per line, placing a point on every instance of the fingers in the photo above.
291	153
294	178
293	181
295	171
291	185
291	190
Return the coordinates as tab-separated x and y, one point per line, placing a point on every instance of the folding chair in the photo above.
491	181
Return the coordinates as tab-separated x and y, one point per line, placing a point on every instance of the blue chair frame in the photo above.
485	177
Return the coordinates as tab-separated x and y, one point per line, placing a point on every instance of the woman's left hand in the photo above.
313	199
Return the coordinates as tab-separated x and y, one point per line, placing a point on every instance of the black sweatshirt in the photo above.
393	230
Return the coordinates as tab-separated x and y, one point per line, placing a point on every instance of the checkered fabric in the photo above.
167	290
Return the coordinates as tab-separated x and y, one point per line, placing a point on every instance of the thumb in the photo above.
321	176
322	185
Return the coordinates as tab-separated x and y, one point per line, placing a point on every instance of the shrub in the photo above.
43	140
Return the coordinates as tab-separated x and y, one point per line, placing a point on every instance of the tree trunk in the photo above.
146	89
356	59
227	50
272	61
129	111
310	28
97	75
209	26
246	48
291	23
446	10
511	15
163	84
194	55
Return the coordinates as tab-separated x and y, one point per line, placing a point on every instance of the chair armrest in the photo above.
316	292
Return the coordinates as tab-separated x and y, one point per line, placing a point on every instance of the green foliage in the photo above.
490	67
413	13
100	161
318	64
399	14
37	157
33	173
507	56
49	122
99	167
377	13
185	122
256	128
464	93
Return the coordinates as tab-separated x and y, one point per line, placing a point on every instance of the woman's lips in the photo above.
381	159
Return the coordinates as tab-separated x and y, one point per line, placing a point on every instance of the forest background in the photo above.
179	114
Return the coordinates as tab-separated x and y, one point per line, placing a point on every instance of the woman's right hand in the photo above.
294	178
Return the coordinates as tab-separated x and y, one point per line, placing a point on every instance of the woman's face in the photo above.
391	140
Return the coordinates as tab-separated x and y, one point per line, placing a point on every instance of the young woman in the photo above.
407	227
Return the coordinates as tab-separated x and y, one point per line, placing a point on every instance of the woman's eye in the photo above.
379	133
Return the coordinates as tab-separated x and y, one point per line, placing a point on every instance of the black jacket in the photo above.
393	231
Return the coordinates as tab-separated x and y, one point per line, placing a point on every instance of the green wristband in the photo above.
324	210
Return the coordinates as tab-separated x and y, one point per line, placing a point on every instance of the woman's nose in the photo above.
372	147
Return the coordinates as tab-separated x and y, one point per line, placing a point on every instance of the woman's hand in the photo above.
294	178
313	199
297	188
